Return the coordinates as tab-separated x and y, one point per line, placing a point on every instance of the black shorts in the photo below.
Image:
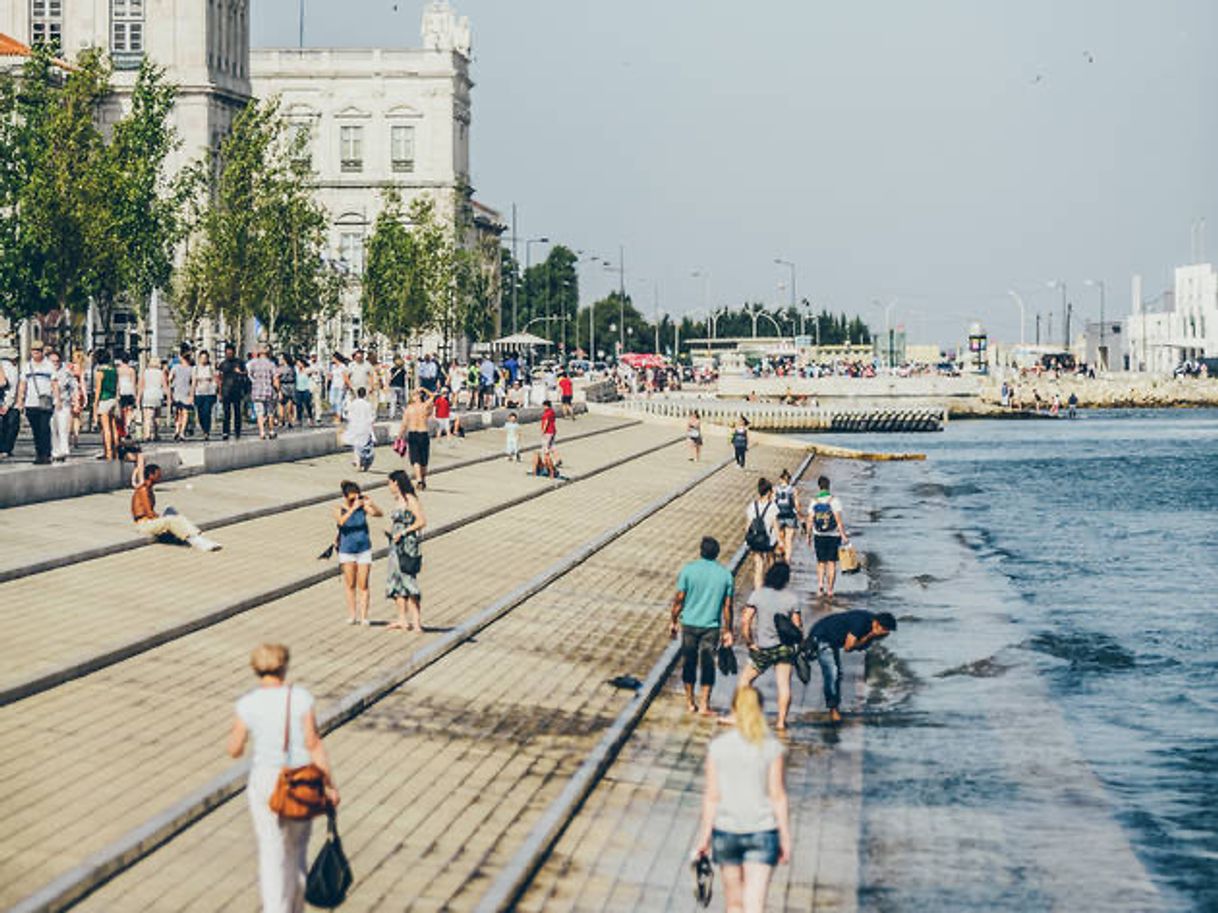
826	547
418	447
566	400
127	402
179	406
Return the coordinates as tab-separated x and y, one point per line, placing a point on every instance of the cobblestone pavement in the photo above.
108	602
445	776
130	740
628	848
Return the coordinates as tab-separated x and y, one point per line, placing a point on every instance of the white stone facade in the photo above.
377	119
1183	325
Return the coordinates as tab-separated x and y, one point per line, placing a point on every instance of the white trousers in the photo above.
61	430
282	847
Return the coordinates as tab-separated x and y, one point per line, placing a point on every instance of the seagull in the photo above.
1038	79
1089	57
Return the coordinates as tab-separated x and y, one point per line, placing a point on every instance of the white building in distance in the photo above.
1180	325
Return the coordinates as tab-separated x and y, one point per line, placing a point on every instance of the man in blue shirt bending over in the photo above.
702	611
850	631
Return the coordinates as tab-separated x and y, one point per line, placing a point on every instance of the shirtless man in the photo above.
171	523
417	431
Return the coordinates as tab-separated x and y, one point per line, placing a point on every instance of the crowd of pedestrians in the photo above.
745	824
191	396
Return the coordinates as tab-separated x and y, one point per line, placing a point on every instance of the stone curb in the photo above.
48	680
77	883
134	542
515	877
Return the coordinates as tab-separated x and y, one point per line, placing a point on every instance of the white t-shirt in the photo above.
262	711
360	417
768	511
742	770
38	376
360	374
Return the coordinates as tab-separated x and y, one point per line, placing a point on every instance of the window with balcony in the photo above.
352	151
126	32
402	148
46	24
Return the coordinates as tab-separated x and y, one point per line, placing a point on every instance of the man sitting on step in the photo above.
171	525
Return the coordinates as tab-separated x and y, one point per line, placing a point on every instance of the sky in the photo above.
934	153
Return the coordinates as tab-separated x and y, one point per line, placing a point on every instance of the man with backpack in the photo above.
761	530
828	534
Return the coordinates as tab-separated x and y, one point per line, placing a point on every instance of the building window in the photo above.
126	29
302	153
402	148
46	23
351	250
352	154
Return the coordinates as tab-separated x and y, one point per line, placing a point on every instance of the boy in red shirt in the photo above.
443	414
549	426
566	388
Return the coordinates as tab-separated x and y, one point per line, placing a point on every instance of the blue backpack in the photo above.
823	520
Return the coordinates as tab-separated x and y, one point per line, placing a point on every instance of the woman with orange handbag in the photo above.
280	717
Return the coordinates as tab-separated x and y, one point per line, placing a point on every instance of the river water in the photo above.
1042	732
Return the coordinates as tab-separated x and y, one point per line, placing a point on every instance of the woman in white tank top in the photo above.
152	395
261	713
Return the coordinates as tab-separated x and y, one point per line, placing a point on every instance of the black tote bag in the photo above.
330	876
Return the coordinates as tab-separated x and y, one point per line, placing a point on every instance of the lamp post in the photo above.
791	266
1101	354
1018	301
1059	283
887	326
528	257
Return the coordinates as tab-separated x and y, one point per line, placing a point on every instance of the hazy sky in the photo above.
935	152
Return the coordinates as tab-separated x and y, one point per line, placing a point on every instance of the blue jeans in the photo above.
830	661
736	849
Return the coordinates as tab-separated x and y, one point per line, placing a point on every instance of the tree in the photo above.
83	218
259	239
609	310
392	297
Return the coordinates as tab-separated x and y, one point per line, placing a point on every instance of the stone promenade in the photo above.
140	654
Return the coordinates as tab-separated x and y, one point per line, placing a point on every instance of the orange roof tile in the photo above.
11	47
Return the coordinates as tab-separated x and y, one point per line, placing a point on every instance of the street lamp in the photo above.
887	325
791	266
1018	301
1101	353
1059	283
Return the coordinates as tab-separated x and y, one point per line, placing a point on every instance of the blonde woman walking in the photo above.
745	818
265	713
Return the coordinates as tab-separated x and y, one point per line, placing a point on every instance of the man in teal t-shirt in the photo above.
702	609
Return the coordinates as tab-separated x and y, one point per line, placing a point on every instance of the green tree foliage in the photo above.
259	239
83	217
638	332
392	297
549	296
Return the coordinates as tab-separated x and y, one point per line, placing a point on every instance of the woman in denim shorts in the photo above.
744	810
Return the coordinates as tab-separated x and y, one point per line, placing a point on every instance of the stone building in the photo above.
203	46
376	118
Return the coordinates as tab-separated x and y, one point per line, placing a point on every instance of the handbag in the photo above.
330	875
300	792
848	560
399	446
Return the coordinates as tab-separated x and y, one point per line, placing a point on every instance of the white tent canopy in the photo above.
522	339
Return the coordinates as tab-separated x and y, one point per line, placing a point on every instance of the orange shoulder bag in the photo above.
300	792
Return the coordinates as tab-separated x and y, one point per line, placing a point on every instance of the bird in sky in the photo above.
1089	57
